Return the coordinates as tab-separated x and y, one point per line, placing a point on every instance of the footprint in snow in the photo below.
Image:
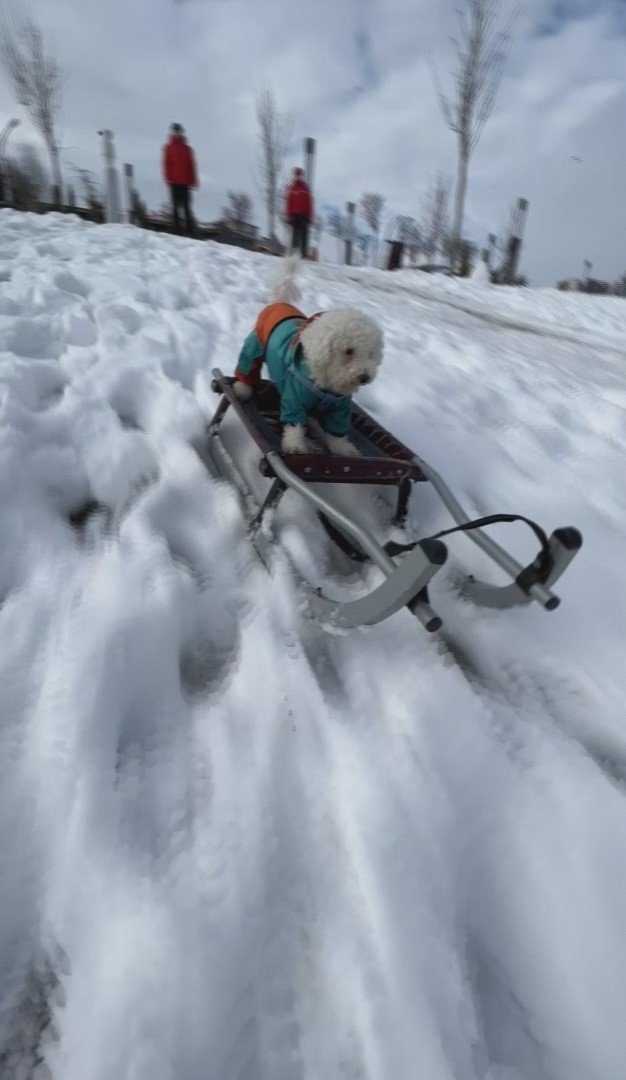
116	317
49	397
34	339
128	421
80	329
67	282
174	369
171	299
125	401
82	519
60	253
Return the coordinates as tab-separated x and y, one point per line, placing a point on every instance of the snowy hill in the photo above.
233	846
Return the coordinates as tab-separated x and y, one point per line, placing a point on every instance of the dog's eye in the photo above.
349	352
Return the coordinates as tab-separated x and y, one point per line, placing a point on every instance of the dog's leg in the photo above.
242	390
315	429
341	446
294	441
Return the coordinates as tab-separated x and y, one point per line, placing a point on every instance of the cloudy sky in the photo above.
355	76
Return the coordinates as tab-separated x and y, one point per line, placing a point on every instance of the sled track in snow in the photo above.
538	329
542	695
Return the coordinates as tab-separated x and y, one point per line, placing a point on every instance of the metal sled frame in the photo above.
384	461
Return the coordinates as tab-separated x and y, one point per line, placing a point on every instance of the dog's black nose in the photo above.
364	379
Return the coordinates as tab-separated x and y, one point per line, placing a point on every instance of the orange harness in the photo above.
267	321
270	318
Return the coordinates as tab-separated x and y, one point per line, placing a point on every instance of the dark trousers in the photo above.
300	239
181	201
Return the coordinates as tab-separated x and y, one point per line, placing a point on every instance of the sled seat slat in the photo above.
384	460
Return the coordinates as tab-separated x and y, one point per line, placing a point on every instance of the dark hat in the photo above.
178	128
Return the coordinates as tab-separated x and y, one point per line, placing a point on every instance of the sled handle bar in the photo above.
362	537
537	590
425	563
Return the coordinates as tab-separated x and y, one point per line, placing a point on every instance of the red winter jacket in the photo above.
299	200
179	164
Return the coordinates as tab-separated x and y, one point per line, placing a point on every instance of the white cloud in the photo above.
583	103
355	76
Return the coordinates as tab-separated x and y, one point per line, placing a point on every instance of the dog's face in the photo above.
343	350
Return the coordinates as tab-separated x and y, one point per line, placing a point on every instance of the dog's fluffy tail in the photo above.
284	287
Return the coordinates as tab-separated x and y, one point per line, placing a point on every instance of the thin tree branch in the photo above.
35	77
480	48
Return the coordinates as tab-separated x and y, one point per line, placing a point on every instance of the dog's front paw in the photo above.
341	446
294	441
242	390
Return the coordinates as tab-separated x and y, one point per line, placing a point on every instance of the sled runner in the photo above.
408	569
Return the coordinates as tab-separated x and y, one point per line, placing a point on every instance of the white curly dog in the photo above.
316	363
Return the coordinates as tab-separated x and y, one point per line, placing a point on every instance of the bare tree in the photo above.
92	193
27	177
371	210
318	228
140	209
435	215
239	207
498	239
414	241
508	243
29	161
336	224
363	241
480	48
407	231
35	76
462	253
274	134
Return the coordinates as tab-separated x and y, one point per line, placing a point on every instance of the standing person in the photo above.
179	171
299	211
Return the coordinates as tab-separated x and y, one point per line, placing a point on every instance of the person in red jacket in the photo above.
179	171
299	211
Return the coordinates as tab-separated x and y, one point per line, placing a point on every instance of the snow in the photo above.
231	844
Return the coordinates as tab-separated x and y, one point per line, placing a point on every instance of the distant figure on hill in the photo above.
179	171
299	211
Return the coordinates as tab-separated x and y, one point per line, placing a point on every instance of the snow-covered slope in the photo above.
230	845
